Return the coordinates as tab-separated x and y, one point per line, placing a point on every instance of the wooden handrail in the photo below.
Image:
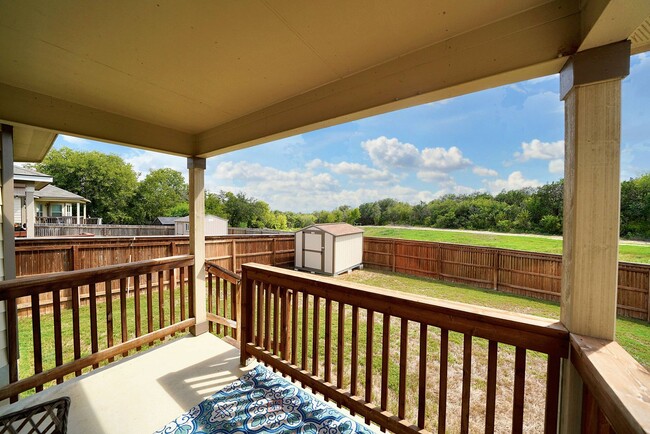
528	331
25	286
618	383
222	273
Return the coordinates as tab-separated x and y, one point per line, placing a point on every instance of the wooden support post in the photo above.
196	167
591	89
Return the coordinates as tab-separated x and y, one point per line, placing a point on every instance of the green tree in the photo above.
157	194
106	180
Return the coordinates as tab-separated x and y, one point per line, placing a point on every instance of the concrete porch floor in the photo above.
143	392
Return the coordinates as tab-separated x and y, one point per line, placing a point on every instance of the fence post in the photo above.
75	257
648	295
172	248
394	255
273	251
234	256
496	269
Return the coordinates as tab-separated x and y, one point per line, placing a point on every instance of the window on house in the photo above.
68	209
39	210
56	210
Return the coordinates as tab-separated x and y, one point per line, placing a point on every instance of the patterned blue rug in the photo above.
263	402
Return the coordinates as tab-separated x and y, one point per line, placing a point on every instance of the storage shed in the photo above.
329	248
213	225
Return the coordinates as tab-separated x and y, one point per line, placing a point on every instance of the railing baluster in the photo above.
12	342
403	348
125	336
305	328
137	308
76	328
519	389
328	340
94	342
224	283
340	361
370	327
490	398
220	283
233	307
182	292
108	296
161	300
385	351
422	387
294	326
172	298
210	300
260	298
267	317
190	293
58	340
150	304
467	383
354	354
315	337
36	335
284	326
442	393
276	320
552	394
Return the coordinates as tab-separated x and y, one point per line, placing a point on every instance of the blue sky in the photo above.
504	138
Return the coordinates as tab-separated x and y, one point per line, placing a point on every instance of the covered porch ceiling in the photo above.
206	77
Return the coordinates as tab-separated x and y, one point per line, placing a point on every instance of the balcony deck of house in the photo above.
331	336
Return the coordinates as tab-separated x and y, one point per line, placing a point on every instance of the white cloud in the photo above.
433	163
79	141
538	150
385	152
556	166
515	181
354	171
484	171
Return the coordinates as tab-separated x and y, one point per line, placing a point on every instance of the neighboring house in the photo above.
213	225
164	221
36	200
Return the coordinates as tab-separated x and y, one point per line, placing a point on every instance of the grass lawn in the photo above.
627	252
632	334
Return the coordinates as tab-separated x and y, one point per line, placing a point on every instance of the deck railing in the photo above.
403	362
223	302
133	284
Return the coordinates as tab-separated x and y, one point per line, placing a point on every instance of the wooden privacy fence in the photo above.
38	256
69	230
537	275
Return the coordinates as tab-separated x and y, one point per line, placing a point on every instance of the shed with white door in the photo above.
329	248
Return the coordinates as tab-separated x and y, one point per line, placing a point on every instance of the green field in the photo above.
627	252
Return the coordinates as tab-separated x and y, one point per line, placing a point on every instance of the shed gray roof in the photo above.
166	220
207	216
24	171
25	174
337	229
52	192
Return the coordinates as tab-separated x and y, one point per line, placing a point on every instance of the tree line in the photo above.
116	195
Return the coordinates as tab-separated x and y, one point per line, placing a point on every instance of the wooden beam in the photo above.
493	55
605	22
196	167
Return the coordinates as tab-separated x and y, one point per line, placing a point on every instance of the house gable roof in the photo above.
54	193
25	174
166	221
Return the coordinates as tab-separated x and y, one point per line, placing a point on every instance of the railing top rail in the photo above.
222	272
619	383
531	332
24	286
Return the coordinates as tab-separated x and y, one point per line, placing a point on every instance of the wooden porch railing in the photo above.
134	280
223	302
406	363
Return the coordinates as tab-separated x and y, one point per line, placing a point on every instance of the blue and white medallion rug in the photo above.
263	402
